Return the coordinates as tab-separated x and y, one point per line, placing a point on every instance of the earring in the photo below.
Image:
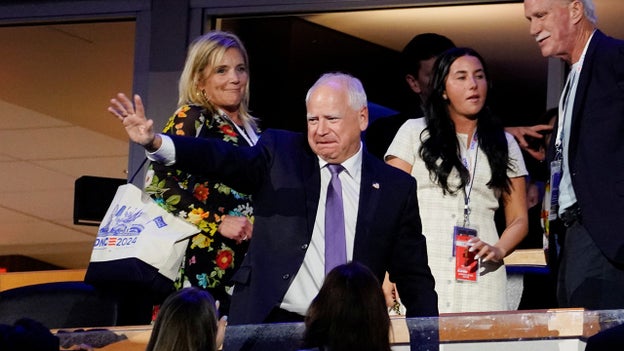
444	96
202	94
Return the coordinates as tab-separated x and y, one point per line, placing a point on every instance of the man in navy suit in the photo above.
287	175
587	151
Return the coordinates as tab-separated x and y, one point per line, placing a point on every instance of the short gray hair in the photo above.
590	11
355	90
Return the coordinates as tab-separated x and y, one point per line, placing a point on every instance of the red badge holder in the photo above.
466	266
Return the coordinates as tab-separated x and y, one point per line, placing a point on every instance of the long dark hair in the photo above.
187	320
440	150
349	312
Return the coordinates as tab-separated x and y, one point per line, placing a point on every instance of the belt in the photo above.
571	215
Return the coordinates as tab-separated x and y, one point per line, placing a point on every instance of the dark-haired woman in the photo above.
187	321
349	313
464	162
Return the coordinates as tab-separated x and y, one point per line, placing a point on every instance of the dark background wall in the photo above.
288	54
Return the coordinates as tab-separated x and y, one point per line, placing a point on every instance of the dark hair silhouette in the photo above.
27	335
423	47
349	312
440	150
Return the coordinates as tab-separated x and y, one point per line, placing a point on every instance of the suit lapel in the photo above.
582	89
311	175
370	192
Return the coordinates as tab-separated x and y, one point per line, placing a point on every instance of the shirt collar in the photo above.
352	165
579	64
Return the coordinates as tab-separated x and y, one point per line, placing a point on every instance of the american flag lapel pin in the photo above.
376	185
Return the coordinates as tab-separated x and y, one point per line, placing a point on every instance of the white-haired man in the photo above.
587	151
289	177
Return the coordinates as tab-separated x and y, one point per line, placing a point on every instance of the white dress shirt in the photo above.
309	279
567	197
311	274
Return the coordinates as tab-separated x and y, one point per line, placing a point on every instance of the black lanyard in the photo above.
468	191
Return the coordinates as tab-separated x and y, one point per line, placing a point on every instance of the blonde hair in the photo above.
204	53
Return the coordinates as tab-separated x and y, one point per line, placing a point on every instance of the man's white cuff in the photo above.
165	154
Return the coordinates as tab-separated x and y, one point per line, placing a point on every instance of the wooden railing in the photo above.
17	279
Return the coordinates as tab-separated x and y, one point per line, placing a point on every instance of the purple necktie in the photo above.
335	244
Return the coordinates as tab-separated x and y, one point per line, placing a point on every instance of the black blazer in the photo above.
596	150
283	176
607	340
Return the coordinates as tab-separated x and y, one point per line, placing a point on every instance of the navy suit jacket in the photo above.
283	176
596	149
607	340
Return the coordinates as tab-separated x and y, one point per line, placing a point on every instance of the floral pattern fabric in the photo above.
210	259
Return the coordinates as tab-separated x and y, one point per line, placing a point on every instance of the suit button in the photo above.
304	246
286	276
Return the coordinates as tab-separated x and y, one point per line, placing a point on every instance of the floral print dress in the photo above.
211	259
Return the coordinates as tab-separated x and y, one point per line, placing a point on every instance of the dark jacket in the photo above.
596	151
283	176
